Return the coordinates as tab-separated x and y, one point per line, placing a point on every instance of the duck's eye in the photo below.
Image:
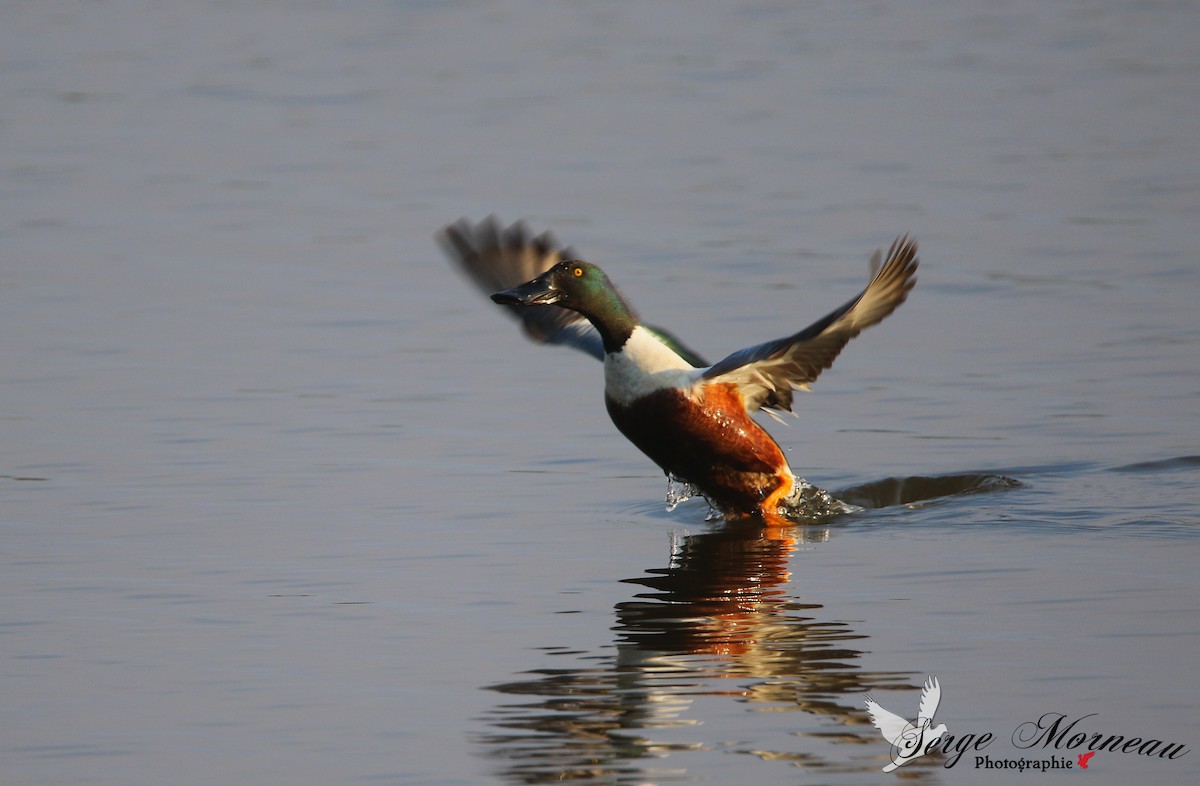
577	272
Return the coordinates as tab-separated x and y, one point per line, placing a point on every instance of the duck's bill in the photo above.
533	293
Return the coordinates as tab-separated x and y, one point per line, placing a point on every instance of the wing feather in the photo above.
498	258
767	373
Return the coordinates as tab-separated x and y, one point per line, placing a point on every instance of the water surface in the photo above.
284	501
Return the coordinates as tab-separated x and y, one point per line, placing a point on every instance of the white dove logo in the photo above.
909	739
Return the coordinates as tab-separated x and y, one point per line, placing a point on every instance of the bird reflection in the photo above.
718	621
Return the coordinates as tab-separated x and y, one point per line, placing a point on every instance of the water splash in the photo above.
811	503
806	504
678	492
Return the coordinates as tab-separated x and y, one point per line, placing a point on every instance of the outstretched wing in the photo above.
498	258
931	695
890	725
767	373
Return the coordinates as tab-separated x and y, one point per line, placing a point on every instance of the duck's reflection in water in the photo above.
717	622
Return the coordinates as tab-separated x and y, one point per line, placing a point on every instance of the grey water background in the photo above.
284	501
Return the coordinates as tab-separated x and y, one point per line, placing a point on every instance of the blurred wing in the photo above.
496	259
890	725
931	696
767	373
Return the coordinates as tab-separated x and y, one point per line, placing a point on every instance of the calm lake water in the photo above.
285	501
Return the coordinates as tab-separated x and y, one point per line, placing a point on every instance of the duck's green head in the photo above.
573	284
582	287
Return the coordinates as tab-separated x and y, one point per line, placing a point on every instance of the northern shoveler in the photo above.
690	417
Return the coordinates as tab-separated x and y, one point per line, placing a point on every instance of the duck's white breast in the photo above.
644	365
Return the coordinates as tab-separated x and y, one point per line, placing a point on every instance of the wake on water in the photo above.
811	504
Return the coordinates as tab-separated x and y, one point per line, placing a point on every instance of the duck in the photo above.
691	417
